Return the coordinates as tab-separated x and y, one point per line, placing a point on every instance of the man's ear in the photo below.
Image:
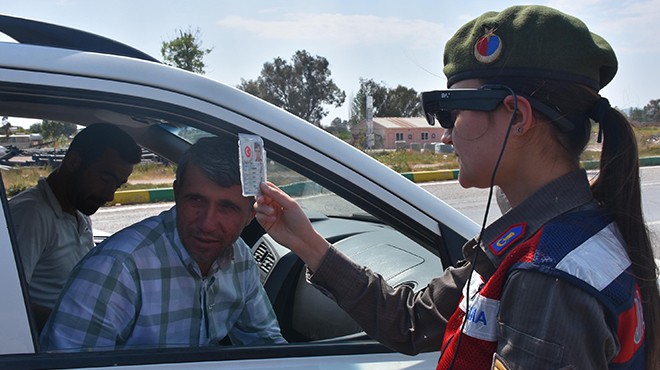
524	116
72	162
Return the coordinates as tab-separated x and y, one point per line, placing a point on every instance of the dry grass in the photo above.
144	176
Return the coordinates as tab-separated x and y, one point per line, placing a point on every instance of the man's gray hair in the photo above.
217	158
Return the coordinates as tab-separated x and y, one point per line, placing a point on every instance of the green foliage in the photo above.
387	102
35	128
650	113
338	126
301	87
185	51
54	130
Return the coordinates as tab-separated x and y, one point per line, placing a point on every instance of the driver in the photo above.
182	278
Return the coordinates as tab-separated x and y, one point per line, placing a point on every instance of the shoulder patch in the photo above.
507	238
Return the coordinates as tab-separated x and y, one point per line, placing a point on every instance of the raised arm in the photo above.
285	221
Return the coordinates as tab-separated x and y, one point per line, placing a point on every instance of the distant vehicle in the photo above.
375	215
22	141
441	148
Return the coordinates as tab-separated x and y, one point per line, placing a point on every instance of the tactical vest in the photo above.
590	256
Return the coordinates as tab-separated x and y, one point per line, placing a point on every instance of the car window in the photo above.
305	313
313	197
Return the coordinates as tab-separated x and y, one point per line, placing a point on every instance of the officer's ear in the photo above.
524	113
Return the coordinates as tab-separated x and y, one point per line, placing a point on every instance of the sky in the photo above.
392	42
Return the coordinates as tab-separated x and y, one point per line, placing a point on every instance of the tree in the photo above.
185	51
6	126
338	125
637	115
53	130
359	104
339	128
301	88
652	111
35	128
397	102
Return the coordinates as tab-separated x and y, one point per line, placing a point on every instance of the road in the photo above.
469	201
472	201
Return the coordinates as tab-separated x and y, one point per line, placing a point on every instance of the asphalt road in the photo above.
471	202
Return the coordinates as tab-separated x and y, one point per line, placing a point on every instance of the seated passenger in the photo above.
182	278
51	220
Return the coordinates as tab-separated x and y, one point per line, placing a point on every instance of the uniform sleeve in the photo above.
32	232
257	323
548	323
96	309
406	321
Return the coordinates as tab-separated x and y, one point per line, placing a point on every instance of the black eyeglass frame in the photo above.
439	104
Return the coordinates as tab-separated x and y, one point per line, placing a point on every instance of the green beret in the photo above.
529	41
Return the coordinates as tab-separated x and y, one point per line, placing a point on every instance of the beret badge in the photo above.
488	48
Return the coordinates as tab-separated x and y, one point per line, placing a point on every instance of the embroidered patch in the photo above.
507	238
488	48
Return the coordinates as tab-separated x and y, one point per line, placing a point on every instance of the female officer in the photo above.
566	278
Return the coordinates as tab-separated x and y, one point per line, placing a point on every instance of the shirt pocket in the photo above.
527	351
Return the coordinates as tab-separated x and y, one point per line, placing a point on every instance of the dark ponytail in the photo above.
618	187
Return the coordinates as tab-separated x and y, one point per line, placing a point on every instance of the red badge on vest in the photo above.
507	238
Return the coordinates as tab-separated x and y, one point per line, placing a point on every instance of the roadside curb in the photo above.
143	196
443	175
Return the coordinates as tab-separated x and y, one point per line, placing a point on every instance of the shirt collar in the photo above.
555	198
51	199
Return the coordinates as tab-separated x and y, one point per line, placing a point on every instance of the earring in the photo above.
519	130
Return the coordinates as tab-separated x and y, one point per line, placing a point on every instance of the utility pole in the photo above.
370	121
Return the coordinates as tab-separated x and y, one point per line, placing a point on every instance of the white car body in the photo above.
83	87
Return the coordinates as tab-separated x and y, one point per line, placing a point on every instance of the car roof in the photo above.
28	31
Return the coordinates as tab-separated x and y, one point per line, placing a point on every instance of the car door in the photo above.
164	109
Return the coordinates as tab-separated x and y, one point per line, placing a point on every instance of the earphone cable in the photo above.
485	219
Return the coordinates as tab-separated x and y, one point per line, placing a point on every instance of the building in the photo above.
25	141
400	132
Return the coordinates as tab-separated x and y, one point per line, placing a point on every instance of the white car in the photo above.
62	74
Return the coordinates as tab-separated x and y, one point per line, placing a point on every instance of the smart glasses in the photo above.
443	105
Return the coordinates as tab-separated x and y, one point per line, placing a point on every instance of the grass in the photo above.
154	175
648	143
144	176
409	161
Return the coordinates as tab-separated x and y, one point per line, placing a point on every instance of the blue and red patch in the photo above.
507	238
